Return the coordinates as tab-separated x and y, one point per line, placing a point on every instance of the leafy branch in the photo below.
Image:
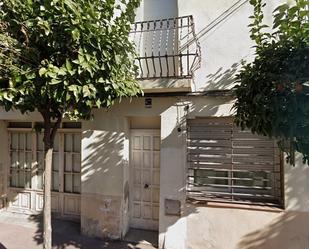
273	90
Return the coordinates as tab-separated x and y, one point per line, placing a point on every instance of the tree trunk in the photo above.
49	137
47	199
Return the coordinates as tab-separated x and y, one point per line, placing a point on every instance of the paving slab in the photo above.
25	232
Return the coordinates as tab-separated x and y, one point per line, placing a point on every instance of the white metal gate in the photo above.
145	179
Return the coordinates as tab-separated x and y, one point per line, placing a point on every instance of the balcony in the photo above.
168	53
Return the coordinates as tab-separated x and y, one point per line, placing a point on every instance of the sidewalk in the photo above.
25	233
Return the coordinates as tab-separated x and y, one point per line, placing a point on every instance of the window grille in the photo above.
166	48
228	164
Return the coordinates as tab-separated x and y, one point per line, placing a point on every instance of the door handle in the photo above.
146	185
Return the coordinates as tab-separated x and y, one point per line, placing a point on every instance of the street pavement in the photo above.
20	233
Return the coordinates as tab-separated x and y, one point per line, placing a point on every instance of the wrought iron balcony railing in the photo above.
167	48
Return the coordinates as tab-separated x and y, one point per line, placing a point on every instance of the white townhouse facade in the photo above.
171	161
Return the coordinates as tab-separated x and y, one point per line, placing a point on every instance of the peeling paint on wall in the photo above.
106	205
101	215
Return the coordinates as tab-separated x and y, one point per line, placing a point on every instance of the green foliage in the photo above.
65	56
273	90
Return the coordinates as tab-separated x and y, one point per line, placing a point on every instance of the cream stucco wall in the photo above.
105	174
105	161
235	228
229	227
297	186
105	164
242	227
221	28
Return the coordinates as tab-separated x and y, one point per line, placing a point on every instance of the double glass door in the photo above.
26	173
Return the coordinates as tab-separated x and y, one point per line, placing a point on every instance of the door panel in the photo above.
145	179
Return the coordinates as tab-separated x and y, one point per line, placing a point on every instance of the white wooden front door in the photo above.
145	179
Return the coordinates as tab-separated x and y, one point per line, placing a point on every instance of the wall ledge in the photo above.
253	207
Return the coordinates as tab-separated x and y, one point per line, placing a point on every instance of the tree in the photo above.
273	90
63	58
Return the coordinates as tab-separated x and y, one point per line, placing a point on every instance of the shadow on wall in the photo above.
222	80
215	106
173	228
2	246
290	230
107	148
108	160
286	230
104	159
296	186
221	18
102	154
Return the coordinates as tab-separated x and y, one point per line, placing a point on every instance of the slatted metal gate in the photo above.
228	164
